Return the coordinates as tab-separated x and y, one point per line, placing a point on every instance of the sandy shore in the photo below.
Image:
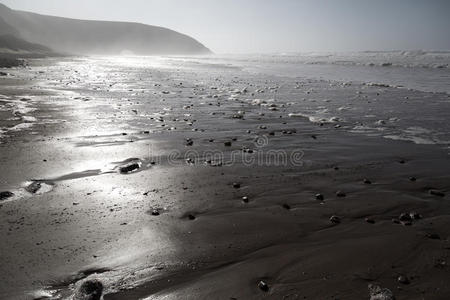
226	197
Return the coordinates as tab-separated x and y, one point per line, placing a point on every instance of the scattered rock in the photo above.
440	263
155	212
370	220
415	216
436	193
129	168
286	206
245	199
335	219
405	217
340	194
433	236
396	221
5	195
378	293
89	290
263	286
403	279
3	74
320	197
236	185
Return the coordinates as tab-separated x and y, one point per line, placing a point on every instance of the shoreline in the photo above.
207	241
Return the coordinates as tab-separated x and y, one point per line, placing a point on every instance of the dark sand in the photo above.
90	221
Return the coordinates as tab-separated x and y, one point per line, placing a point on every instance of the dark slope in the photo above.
14	44
99	37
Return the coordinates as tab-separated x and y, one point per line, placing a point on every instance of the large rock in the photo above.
89	290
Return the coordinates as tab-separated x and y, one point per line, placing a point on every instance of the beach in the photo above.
208	178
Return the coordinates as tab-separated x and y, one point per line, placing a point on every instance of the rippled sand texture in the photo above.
165	178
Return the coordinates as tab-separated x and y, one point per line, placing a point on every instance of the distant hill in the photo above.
12	44
96	37
5	28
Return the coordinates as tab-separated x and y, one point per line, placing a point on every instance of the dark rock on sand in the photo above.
415	216
405	217
129	168
412	178
89	290
437	193
335	219
376	292
191	217
3	74
340	194
236	185
189	142
5	195
434	236
370	220
367	181
155	212
33	187
320	197
403	279
263	286
245	199
227	144
286	206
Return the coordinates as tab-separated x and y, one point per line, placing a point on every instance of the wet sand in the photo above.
221	201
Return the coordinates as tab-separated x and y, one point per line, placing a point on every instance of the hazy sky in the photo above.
239	26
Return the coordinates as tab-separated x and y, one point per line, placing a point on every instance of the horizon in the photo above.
294	27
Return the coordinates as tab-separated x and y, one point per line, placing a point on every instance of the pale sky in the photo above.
252	26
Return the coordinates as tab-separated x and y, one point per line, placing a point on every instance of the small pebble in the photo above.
403	279
433	236
405	217
189	142
437	193
263	286
415	216
286	206
340	194
370	220
335	219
